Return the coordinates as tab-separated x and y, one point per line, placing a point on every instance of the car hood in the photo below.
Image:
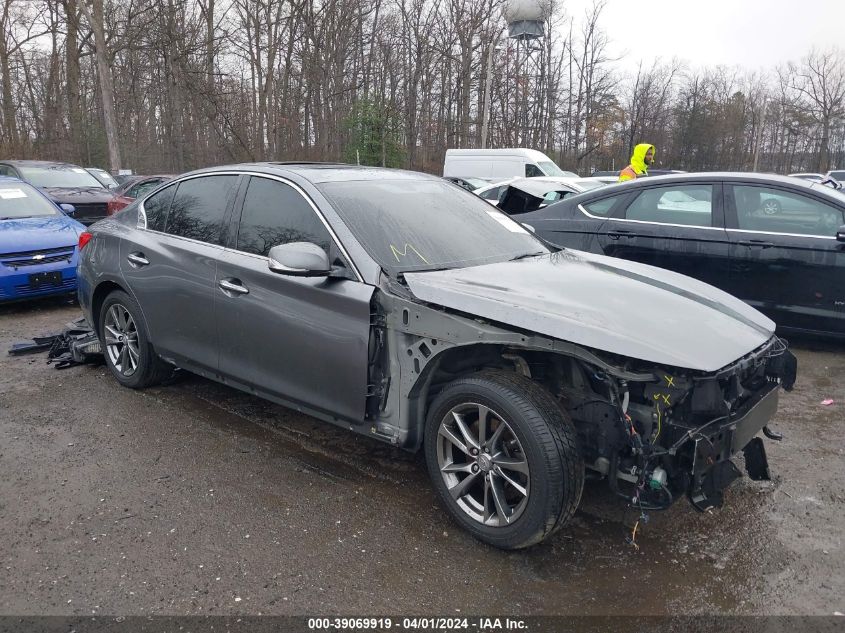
29	234
608	304
78	195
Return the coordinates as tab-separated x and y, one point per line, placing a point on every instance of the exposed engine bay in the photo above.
673	432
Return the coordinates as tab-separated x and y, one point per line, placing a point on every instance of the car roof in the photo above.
38	163
322	172
721	176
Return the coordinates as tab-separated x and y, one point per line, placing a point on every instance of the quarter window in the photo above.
275	213
779	211
153	216
494	194
690	205
199	207
601	207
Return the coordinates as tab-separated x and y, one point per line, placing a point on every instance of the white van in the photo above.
498	164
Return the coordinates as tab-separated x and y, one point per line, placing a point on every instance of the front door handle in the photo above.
137	259
616	234
756	243
234	286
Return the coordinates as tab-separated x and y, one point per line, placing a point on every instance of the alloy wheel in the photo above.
771	207
483	464
121	338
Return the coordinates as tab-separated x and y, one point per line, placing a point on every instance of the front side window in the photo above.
532	171
18	200
275	213
199	207
778	211
412	225
153	214
688	205
60	176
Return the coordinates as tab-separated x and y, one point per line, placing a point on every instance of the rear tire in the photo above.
516	477
126	345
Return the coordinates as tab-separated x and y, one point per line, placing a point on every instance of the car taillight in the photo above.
84	238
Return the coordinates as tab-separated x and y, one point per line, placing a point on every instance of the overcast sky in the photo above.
750	33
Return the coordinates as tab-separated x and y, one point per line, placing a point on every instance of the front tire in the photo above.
503	458
126	344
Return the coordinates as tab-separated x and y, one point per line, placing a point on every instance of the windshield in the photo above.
59	176
550	169
19	200
104	177
837	175
412	225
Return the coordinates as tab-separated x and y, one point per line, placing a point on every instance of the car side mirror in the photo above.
840	234
299	259
68	209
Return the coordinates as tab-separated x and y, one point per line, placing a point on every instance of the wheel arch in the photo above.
463	360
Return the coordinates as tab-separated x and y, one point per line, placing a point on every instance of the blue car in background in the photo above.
38	243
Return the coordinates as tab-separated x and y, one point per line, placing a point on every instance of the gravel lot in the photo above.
193	498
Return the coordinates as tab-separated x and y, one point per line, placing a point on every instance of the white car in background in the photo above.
558	187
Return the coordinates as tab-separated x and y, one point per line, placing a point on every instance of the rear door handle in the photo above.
234	286
137	259
756	243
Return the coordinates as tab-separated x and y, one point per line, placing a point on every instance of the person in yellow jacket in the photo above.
642	157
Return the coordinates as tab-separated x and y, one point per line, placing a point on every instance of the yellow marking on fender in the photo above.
670	381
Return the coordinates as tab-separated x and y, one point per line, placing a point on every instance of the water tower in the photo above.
526	18
526	29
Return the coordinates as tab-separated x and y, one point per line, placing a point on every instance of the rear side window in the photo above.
153	215
199	207
275	213
136	191
688	205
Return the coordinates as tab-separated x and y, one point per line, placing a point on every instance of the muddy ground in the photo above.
193	498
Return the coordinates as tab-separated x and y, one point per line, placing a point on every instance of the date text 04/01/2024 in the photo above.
417	624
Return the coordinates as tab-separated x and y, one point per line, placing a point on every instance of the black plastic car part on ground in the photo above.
769	240
65	184
399	306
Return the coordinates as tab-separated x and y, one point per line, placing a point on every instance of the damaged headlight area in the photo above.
660	433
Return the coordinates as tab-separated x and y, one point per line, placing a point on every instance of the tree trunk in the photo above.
94	13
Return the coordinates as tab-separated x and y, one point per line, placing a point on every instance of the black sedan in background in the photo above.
64	184
776	242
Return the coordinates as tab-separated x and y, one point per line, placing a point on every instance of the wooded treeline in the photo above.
171	85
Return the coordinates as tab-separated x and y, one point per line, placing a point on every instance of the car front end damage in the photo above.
657	433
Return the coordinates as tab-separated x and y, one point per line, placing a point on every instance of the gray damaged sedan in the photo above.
401	307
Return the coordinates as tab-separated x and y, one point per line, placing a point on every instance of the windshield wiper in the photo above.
527	255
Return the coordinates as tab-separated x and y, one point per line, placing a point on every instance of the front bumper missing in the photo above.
712	468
